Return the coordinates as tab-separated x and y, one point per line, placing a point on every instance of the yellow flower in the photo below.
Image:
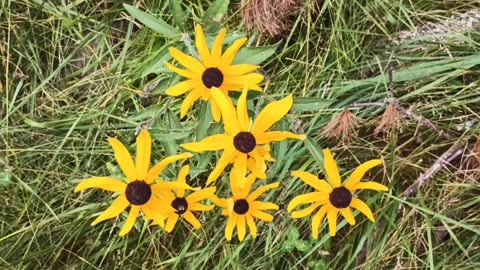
243	207
182	205
213	69
243	145
334	198
139	192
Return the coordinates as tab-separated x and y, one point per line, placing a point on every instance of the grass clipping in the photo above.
342	127
269	17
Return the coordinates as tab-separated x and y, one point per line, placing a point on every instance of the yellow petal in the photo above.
240	166
271	114
347	214
317	221
313	181
276	136
105	183
237	82
261	215
217	47
251	225
182	178
171	221
237	181
230	53
211	143
306	211
156	209
190	74
229	115
201	45
192	220
307	198
235	70
216	112
247	186
263	205
363	208
144	147
132	217
180	88
258	171
188	102
360	171
227	157
331	168
156	170
332	220
241	227
230	226
186	60
114	210
259	191
242	112
171	185
123	158
201	194
219	202
199	207
369	185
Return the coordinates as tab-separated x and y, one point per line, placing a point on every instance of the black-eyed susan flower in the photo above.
139	192
184	206
334	198
213	69
243	208
244	145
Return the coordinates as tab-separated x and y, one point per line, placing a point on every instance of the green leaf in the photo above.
288	245
315	150
302	104
156	24
255	55
302	246
178	14
214	14
293	234
5	179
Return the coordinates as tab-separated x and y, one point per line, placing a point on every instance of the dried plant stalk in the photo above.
390	121
269	17
342	127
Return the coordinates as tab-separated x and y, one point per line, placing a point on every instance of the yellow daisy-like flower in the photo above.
334	198
184	206
213	69
243	207
243	145
139	192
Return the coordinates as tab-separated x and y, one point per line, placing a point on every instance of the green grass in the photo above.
69	73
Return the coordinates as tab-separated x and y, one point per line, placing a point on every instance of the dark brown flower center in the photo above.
341	197
212	77
138	192
240	206
180	204
244	142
